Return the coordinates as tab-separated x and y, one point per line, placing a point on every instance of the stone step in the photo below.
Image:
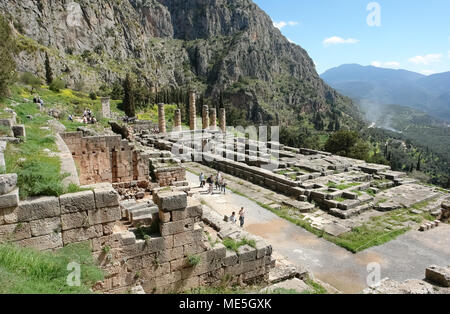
346	214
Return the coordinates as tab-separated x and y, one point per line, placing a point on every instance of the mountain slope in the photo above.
377	86
228	46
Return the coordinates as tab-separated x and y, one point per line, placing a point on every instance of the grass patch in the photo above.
26	271
234	245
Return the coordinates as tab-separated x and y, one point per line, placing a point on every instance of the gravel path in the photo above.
401	259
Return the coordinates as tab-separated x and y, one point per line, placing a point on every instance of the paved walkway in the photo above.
404	258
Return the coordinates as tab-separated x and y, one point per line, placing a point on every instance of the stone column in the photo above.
205	115
106	108
161	118
177	121
213	119
192	111
222	120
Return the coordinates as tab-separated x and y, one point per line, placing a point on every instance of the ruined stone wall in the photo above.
168	176
161	262
49	223
106	159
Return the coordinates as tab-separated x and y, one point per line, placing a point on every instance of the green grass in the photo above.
342	186
26	271
234	245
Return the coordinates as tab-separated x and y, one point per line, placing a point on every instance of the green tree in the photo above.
7	63
129	103
48	70
342	142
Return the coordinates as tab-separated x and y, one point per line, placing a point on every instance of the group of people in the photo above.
38	100
88	117
218	181
241	217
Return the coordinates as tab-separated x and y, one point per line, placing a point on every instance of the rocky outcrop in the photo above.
212	45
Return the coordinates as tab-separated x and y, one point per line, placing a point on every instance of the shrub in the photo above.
56	85
194	260
93	95
30	79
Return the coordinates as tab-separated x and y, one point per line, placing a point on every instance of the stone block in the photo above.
74	220
182	239
246	253
45	226
8	183
106	197
48	242
8	216
15	232
10	199
112	242
173	228
38	208
164	217
104	215
231	258
82	234
218	252
77	202
179	215
195	211
174	201
128	238
438	275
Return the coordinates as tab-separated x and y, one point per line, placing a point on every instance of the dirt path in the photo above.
401	259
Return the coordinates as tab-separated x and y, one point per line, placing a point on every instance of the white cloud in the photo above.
449	53
428	72
282	24
335	40
390	64
427	59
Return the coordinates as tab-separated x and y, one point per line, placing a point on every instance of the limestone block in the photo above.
128	238
218	252
195	211
8	183
153	268
106	197
15	232
168	202
231	258
82	234
38	208
173	228
179	215
10	199
74	220
183	238
438	275
45	226
246	253
169	255
77	202
48	242
179	264
164	217
112	242
8	216
104	215
108	228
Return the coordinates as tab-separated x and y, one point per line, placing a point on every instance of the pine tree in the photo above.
7	64
129	98
419	162
48	70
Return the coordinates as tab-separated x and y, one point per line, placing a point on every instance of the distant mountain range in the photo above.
372	86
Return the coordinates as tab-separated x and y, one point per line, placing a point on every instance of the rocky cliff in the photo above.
212	45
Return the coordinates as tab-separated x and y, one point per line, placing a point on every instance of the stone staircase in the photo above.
139	213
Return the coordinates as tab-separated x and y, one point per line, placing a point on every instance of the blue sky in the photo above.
412	35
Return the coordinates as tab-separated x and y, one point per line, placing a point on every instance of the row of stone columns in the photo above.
209	120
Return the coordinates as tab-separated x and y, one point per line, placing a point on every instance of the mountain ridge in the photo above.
373	86
213	46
